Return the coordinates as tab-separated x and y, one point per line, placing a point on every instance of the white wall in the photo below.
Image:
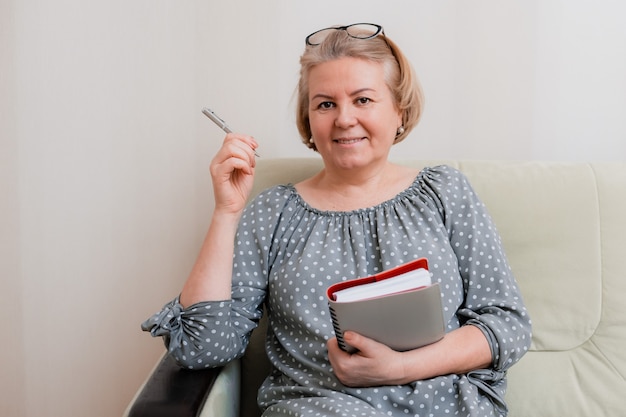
104	152
508	80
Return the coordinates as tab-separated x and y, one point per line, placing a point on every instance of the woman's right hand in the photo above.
232	173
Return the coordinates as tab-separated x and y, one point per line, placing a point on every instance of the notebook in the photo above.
405	319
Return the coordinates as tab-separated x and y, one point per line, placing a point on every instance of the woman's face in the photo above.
352	113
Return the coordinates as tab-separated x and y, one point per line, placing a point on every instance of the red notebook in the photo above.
405	319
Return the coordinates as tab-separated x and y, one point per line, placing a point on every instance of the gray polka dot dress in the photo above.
287	253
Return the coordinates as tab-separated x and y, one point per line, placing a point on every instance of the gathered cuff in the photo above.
492	341
491	383
173	320
166	323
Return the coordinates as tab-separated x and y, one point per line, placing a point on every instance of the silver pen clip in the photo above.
216	119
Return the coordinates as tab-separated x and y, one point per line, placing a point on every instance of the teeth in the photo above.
348	141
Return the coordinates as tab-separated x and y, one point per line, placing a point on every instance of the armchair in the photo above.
564	230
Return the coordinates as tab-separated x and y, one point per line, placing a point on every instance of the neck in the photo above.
355	180
339	190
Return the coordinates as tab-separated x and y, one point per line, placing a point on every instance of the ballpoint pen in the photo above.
218	121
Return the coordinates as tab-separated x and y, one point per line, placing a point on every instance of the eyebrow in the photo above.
354	93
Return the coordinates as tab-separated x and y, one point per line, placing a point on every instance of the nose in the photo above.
346	117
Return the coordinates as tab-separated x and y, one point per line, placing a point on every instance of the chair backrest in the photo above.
564	232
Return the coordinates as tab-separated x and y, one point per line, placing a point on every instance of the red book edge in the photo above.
389	273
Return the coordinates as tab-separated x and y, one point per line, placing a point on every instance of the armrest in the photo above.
172	391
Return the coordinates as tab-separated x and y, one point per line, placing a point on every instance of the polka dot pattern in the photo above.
288	253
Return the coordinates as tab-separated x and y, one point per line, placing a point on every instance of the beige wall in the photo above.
12	395
104	152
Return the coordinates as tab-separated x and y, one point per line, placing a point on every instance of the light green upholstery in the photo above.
564	231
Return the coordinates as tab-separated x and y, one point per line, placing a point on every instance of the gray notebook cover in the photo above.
402	321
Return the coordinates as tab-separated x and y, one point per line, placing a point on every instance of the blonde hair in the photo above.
399	76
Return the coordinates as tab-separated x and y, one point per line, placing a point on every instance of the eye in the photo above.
325	105
363	100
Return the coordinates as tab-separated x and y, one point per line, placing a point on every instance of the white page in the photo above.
403	282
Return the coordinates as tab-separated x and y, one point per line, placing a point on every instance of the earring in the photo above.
400	131
311	140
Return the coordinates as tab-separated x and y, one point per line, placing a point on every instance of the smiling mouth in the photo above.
348	141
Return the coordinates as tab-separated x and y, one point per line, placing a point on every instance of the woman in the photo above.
361	214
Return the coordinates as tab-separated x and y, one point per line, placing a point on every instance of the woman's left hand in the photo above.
373	364
460	351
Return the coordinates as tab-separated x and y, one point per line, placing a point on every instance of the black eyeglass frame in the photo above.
379	30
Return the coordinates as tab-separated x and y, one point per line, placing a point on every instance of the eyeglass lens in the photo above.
358	30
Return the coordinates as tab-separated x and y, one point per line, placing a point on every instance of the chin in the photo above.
352	162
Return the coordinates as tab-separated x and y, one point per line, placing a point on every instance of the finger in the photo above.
225	163
235	154
242	147
230	170
252	143
339	360
247	142
333	347
365	346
